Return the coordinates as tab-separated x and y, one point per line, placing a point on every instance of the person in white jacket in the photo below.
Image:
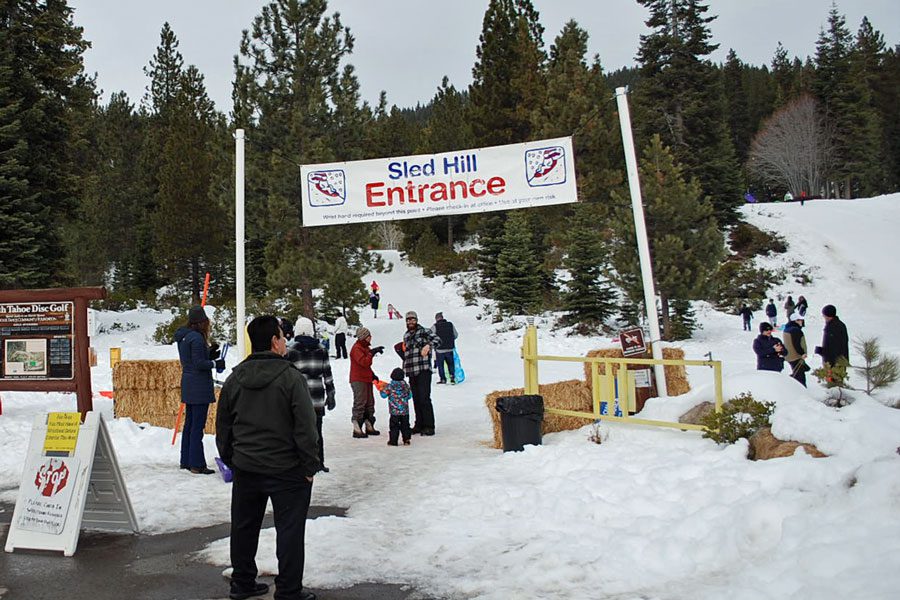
340	337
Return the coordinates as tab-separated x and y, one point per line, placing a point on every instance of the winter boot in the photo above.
370	429
357	430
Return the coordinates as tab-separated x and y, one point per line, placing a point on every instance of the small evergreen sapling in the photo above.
834	377
741	417
880	370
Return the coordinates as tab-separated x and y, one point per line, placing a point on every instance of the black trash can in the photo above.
520	421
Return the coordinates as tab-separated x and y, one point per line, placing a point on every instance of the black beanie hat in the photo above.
765	327
829	310
397	374
197	315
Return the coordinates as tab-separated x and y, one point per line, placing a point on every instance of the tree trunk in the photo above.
847	189
195	281
450	232
667	322
307	303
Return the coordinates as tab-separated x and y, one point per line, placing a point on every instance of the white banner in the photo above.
537	173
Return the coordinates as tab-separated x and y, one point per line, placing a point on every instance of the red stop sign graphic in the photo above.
51	477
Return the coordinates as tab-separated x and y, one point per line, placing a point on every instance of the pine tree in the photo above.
517	287
189	230
738	110
43	84
19	265
446	130
165	73
784	75
579	102
685	242
104	235
508	86
840	86
165	70
299	106
508	73
889	109
490	242
870	60
680	98
589	298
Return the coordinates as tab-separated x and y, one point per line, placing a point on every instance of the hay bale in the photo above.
147	375
149	391
764	445
676	377
567	395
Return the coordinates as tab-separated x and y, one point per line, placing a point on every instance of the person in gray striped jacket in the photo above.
311	359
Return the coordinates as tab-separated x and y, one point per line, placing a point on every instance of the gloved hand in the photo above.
374	378
220	365
329	401
214	351
377	350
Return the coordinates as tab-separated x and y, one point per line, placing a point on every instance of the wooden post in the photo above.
82	359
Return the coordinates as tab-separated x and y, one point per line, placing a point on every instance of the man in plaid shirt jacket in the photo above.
415	350
311	359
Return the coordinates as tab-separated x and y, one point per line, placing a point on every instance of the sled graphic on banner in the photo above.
326	188
71	481
546	166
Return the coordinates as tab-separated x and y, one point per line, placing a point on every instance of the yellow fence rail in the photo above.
604	385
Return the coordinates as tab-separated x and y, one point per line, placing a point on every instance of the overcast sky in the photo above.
405	47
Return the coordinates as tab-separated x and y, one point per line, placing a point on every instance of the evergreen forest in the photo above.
137	194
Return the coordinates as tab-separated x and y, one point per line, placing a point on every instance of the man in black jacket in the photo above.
266	433
835	342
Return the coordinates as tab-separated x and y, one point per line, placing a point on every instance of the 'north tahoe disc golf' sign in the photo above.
36	340
538	173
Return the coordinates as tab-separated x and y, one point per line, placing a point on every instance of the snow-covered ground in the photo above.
649	514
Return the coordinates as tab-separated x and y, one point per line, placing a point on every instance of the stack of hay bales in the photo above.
576	394
149	391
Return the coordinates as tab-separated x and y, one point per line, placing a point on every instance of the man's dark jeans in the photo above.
445	366
290	493
420	384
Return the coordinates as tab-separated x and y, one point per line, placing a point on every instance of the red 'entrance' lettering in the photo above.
377	195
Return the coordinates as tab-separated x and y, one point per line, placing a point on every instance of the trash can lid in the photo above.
528	404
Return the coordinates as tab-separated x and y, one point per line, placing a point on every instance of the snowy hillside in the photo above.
650	513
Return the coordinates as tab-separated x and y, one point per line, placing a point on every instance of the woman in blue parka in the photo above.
197	363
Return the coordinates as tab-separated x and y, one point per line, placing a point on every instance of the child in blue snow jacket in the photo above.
398	394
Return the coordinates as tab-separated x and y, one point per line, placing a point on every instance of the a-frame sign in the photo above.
71	481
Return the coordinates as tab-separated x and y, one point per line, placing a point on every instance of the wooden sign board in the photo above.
44	341
71	481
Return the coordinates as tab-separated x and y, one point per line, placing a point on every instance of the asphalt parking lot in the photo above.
144	567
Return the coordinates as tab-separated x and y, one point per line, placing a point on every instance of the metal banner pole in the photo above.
241	307
640	230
